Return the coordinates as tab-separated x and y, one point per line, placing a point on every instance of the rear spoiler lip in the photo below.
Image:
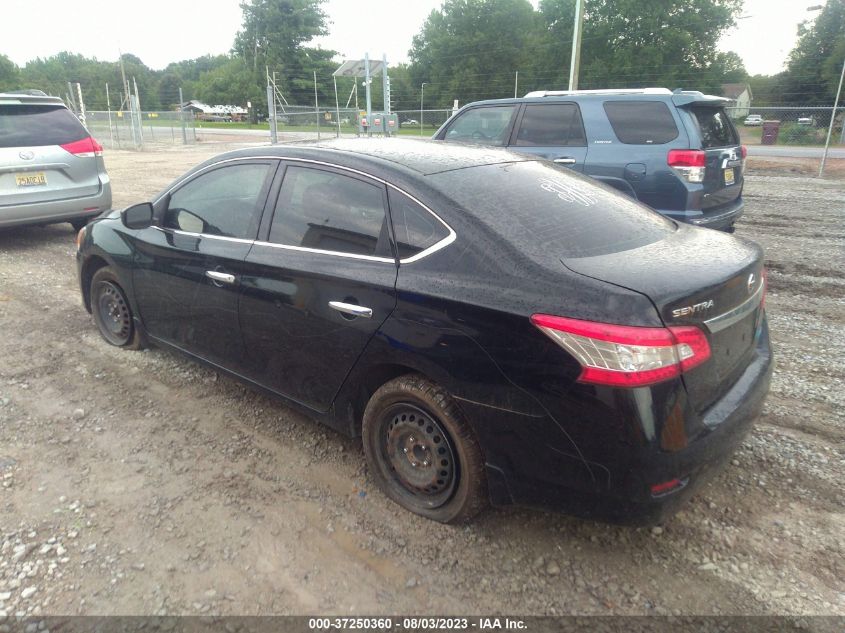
682	100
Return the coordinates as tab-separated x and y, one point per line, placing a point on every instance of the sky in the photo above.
162	31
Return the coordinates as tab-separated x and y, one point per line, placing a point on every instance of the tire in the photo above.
78	224
112	312
421	451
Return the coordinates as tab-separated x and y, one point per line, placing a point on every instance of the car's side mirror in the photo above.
138	216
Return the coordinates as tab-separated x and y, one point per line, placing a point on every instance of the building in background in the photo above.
205	112
740	96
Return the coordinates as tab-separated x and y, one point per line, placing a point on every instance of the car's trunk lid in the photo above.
35	165
723	175
697	277
41	174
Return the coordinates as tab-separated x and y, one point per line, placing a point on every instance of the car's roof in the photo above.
425	157
30	98
679	98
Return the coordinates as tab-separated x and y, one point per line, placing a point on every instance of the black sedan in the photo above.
496	328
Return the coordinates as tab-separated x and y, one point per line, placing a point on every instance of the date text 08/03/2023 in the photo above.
417	624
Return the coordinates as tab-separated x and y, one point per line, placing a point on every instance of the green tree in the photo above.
629	43
814	65
9	74
230	84
471	49
273	35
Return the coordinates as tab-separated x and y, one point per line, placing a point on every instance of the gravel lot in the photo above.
140	483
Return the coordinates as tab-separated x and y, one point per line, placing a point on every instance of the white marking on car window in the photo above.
568	191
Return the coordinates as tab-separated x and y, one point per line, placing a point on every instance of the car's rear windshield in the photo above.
548	211
35	125
714	127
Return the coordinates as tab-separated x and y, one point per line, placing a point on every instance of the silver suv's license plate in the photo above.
36	179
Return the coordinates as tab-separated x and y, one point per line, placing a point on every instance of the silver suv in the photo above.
51	169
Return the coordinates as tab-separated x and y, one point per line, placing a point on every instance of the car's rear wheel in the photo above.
422	452
112	312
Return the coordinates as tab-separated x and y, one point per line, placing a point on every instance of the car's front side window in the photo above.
486	126
329	211
223	202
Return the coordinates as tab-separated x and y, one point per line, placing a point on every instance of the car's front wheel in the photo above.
422	452
112	312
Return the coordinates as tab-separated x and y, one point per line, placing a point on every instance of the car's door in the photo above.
188	267
554	131
321	282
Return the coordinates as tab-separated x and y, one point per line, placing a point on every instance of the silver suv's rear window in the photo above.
37	125
547	211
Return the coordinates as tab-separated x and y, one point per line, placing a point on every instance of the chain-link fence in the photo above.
788	125
123	129
306	122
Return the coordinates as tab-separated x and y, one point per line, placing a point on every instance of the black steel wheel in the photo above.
112	312
421	451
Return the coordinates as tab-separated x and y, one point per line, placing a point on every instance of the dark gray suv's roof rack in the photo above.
607	91
35	97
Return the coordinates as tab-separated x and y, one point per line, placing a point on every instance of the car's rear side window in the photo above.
328	211
489	125
641	122
38	125
548	212
551	125
714	127
415	228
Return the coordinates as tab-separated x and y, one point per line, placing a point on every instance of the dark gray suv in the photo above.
677	152
51	169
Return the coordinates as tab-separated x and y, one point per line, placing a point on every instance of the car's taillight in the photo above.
86	147
744	151
688	163
626	356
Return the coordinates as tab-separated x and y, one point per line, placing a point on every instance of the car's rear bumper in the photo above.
57	210
721	218
616	482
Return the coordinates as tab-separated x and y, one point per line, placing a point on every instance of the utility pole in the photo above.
108	107
316	105
515	83
336	105
576	45
367	89
182	117
385	84
126	91
832	117
81	105
422	94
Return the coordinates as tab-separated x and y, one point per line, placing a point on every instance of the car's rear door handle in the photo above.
220	278
351	309
566	160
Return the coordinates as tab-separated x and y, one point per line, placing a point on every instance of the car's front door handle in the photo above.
351	309
220	278
566	160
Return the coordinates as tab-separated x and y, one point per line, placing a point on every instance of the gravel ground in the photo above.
140	483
